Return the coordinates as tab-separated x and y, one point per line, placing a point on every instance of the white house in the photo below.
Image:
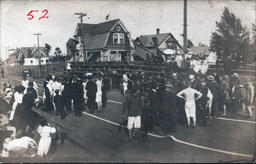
35	61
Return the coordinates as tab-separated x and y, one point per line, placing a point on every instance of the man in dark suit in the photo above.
78	96
91	88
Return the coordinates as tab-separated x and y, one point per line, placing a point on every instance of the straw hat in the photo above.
235	75
210	77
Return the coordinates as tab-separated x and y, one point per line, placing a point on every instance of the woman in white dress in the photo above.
45	132
99	93
17	101
85	90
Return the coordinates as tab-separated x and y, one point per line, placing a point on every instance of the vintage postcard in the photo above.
152	81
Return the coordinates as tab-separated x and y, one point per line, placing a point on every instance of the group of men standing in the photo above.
152	100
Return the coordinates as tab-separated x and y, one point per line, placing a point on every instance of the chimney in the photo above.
158	31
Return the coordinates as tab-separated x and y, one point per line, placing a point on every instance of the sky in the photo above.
139	16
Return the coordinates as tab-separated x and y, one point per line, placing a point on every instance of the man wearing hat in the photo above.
189	95
203	102
213	86
91	88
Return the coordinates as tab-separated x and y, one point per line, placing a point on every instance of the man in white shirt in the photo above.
189	95
24	83
57	85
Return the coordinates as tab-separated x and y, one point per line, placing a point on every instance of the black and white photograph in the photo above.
127	81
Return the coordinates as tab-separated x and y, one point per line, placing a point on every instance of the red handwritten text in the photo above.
31	16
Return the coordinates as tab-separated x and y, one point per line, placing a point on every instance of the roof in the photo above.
96	28
96	41
200	50
28	52
147	40
96	35
141	51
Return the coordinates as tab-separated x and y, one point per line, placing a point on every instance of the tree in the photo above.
230	41
252	57
47	48
200	44
58	51
71	45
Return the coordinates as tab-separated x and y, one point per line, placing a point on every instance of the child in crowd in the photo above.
45	132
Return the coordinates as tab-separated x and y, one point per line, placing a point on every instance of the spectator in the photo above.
250	96
99	93
45	132
48	99
188	95
213	86
224	90
91	88
59	104
132	106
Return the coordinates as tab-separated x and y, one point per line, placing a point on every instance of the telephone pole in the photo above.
81	15
185	28
39	57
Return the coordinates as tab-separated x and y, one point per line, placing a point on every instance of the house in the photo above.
107	41
164	44
28	56
204	51
13	58
200	50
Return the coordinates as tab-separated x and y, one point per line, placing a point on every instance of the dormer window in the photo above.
171	45
118	38
115	38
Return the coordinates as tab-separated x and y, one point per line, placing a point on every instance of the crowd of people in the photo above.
149	99
157	100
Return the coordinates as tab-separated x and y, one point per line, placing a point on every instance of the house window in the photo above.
121	38
171	45
31	61
118	38
115	38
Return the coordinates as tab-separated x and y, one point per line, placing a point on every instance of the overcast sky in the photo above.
140	17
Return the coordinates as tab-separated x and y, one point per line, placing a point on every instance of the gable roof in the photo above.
141	51
29	52
200	50
147	40
96	28
96	35
96	41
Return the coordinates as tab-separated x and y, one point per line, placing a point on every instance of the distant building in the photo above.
204	51
28	56
107	41
167	45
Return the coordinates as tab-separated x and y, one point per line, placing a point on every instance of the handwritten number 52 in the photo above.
30	16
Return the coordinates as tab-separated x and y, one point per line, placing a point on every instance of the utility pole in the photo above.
6	52
81	15
39	57
185	28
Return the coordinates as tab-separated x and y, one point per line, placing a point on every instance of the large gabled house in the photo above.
107	41
28	56
165	45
